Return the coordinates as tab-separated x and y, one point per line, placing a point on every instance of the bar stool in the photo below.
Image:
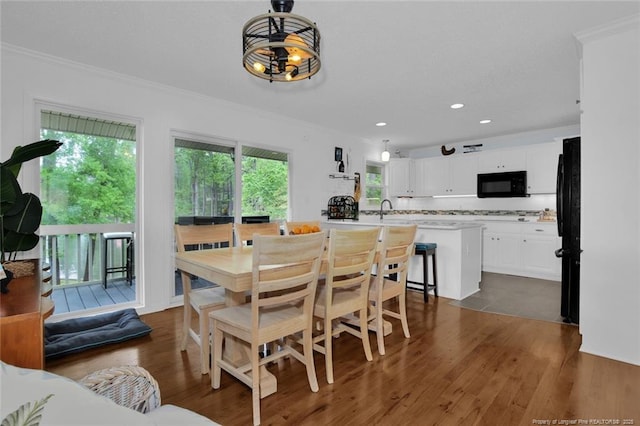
127	258
425	250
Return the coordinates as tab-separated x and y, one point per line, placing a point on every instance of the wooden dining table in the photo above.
231	268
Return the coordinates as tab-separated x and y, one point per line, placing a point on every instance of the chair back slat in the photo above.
189	235
397	248
351	254
285	271
244	232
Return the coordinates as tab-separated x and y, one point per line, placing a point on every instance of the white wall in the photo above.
27	77
610	264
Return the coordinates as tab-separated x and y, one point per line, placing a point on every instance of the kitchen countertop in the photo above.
422	223
443	222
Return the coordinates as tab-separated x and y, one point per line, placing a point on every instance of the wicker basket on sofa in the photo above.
130	386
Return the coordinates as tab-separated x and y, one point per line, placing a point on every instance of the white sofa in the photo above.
73	404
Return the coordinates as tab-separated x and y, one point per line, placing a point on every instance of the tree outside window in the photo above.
265	183
89	180
374	183
204	179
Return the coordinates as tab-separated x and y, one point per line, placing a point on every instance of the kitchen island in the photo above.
459	249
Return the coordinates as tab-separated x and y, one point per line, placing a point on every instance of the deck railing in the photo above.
75	252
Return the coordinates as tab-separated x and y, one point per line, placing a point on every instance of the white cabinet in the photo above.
419	177
500	160
542	165
436	172
457	174
525	249
501	247
407	177
401	177
451	175
463	175
539	243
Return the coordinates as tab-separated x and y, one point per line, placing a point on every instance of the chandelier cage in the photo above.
281	46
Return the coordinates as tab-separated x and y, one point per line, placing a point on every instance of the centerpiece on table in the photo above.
20	213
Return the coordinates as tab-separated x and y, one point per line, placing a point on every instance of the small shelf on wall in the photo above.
342	176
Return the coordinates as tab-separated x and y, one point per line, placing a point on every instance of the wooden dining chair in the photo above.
284	279
345	288
204	300
244	232
390	281
292	227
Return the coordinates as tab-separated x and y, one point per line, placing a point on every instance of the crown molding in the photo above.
618	26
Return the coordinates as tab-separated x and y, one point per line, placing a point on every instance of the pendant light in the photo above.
385	154
281	46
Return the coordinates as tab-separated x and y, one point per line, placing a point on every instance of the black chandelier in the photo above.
281	46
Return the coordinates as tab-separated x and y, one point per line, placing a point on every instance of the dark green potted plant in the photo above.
20	213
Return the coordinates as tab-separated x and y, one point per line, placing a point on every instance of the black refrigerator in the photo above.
568	216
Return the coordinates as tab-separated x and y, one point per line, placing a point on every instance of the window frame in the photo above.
383	180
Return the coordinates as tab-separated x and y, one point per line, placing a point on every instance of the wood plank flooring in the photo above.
80	297
460	367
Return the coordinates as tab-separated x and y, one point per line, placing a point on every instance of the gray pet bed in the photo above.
79	334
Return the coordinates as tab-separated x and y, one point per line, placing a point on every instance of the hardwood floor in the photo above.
460	367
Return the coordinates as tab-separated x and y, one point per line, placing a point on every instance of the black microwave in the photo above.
502	185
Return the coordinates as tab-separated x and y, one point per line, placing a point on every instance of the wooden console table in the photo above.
22	313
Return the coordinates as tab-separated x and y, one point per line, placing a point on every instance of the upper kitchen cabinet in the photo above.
456	175
496	161
401	177
542	164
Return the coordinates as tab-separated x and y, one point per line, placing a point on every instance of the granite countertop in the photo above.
443	221
422	223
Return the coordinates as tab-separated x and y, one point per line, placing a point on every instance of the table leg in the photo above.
238	351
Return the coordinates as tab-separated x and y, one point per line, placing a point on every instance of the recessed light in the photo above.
487	121
457	106
381	124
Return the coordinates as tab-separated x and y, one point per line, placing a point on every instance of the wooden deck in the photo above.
78	298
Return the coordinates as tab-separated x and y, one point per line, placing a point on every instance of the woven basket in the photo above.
20	268
130	386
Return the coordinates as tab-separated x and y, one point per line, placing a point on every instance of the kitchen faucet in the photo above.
382	205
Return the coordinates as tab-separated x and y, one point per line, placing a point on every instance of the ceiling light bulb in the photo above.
487	121
294	58
385	154
381	124
258	67
293	40
457	106
291	74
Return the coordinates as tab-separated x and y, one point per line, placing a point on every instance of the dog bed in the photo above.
79	334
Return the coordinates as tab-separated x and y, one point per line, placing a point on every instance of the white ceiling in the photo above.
402	62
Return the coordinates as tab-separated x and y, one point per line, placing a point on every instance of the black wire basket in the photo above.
342	207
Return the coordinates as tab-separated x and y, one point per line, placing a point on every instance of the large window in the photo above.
265	183
91	178
374	183
205	176
204	179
